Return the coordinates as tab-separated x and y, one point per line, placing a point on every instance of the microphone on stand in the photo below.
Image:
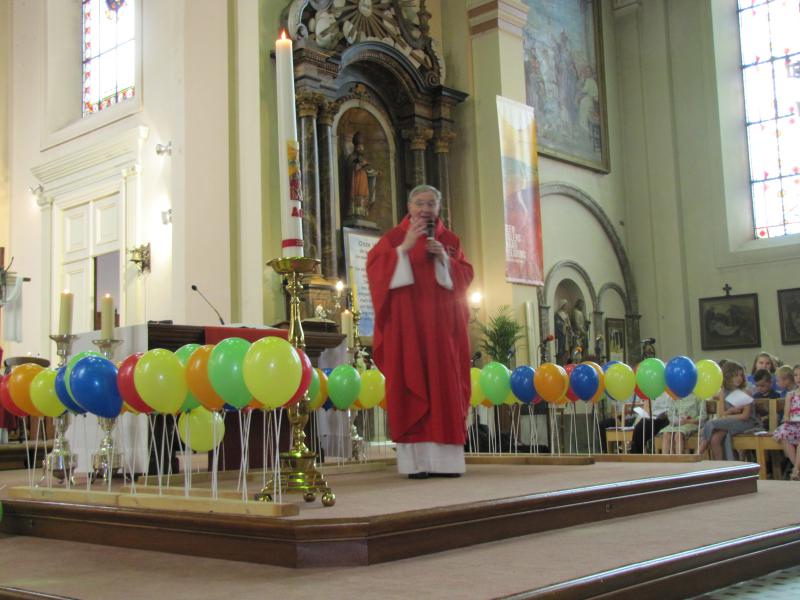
194	288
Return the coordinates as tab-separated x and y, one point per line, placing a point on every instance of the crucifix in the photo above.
727	289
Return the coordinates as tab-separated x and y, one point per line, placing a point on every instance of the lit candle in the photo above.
107	317
347	327
65	313
354	287
289	152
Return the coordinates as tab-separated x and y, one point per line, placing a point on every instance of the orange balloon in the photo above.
255	404
384	404
551	382
198	381
601	389
672	394
19	385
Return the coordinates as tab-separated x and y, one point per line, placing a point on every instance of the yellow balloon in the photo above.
620	381
511	399
322	395
160	379
477	396
43	394
200	428
709	379
272	371
373	388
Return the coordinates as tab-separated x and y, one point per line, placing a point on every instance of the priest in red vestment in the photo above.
418	279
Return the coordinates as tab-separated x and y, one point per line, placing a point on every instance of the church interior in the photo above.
189	193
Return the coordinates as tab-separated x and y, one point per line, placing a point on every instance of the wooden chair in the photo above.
763	442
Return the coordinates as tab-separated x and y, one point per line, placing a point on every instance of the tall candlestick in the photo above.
288	152
65	313
354	287
107	317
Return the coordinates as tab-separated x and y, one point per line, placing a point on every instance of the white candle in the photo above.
65	313
347	327
288	152
107	317
354	287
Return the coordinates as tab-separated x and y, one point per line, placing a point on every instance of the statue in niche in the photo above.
361	179
564	334
580	325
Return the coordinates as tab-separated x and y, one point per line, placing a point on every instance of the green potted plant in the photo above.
500	336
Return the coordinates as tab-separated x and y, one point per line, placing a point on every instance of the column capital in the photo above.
442	138
417	137
506	15
307	103
327	111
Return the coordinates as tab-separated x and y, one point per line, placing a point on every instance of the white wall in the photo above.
5	82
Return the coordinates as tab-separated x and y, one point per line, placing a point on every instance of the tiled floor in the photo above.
779	585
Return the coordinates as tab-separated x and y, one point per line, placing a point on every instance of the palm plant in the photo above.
500	336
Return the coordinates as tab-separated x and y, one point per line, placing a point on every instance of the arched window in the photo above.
770	40
109	53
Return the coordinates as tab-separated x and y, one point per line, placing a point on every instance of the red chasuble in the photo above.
420	341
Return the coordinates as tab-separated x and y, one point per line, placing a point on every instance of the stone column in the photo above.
441	149
327	188
633	348
307	107
544	329
417	138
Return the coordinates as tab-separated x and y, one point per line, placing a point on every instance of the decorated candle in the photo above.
65	313
107	317
288	152
347	327
354	287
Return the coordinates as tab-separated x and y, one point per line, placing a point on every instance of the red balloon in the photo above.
305	377
640	393
5	398
569	369
126	387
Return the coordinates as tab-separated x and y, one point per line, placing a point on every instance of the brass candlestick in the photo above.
60	462
106	461
360	358
299	472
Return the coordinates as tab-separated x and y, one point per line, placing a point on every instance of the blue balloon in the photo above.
680	375
522	384
608	364
93	382
584	382
63	394
229	408
328	404
327	371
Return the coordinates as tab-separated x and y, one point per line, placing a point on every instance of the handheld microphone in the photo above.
195	289
649	341
430	229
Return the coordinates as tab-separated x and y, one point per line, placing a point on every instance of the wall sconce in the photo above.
140	256
475	300
162	149
166	216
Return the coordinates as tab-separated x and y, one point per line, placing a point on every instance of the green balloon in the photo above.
71	363
226	373
495	382
184	353
313	387
650	377
344	386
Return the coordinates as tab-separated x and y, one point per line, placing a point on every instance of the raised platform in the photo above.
380	516
15	455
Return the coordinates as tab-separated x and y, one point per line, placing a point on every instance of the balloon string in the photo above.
263	448
86	450
588	444
215	454
170	445
160	451
182	452
31	465
241	451
277	456
110	461
246	457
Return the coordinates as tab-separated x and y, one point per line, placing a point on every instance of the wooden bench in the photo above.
762	443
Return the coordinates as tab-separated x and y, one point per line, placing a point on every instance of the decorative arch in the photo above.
628	294
611	286
549	281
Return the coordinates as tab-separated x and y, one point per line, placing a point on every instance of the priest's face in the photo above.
423	206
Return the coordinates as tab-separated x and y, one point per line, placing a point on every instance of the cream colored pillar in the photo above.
5	139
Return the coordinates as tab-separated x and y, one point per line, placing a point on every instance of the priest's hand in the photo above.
436	250
415	231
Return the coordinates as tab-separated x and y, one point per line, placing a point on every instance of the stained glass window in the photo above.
109	59
770	40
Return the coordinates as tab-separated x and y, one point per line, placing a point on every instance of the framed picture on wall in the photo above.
565	80
789	312
615	340
729	322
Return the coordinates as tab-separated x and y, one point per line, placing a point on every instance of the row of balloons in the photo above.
496	384
195	381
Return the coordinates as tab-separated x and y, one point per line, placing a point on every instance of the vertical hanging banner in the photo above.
289	160
520	171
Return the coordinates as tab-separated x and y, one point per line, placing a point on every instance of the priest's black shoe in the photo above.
420	475
444	474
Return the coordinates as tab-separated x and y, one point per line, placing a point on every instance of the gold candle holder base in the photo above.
61	461
299	471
